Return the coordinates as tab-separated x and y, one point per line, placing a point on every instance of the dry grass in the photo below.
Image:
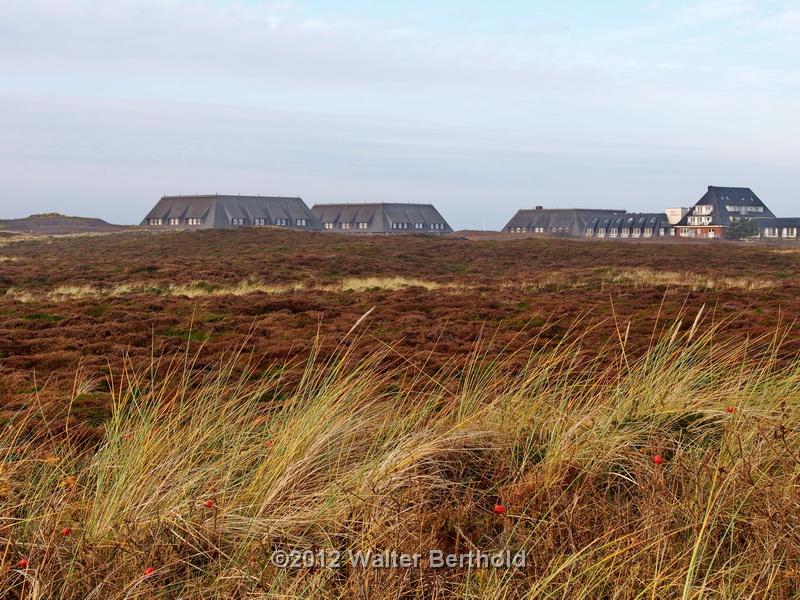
202	289
650	278
358	457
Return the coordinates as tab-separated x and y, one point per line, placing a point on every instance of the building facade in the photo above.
226	212
381	218
718	210
572	222
630	226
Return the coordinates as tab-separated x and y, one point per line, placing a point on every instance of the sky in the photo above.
478	107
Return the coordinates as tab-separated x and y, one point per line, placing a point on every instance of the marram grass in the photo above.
201	475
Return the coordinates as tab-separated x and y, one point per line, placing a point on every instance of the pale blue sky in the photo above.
479	107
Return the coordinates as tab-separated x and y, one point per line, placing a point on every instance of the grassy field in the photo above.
179	408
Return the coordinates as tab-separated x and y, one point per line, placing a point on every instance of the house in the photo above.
630	225
381	217
720	208
785	228
226	212
557	221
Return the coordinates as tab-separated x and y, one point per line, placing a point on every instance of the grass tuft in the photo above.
202	474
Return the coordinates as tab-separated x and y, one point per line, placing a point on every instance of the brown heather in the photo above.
360	456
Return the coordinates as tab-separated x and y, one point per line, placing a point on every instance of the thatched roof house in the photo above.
381	218
225	212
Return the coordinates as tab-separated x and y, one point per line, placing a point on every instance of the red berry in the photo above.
23	563
149	571
657	459
66	532
731	409
208	504
270	443
499	509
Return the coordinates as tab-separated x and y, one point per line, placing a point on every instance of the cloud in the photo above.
716	10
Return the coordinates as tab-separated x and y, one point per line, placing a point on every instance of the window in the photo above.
518	229
238	222
589	232
173	221
662	231
601	232
637	232
699	220
344	225
790	232
440	226
154	222
399	225
744	209
626	232
282	222
362	225
419	225
648	232
614	232
327	225
194	221
703	209
771	232
260	222
301	222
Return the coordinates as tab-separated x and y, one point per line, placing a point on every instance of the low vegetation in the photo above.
671	475
650	277
199	289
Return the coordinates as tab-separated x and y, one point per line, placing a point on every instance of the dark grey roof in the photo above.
778	222
220	212
745	201
381	217
565	220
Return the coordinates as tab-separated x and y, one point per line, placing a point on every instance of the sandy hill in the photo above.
56	224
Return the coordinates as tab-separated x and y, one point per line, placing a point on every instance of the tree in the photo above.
743	229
